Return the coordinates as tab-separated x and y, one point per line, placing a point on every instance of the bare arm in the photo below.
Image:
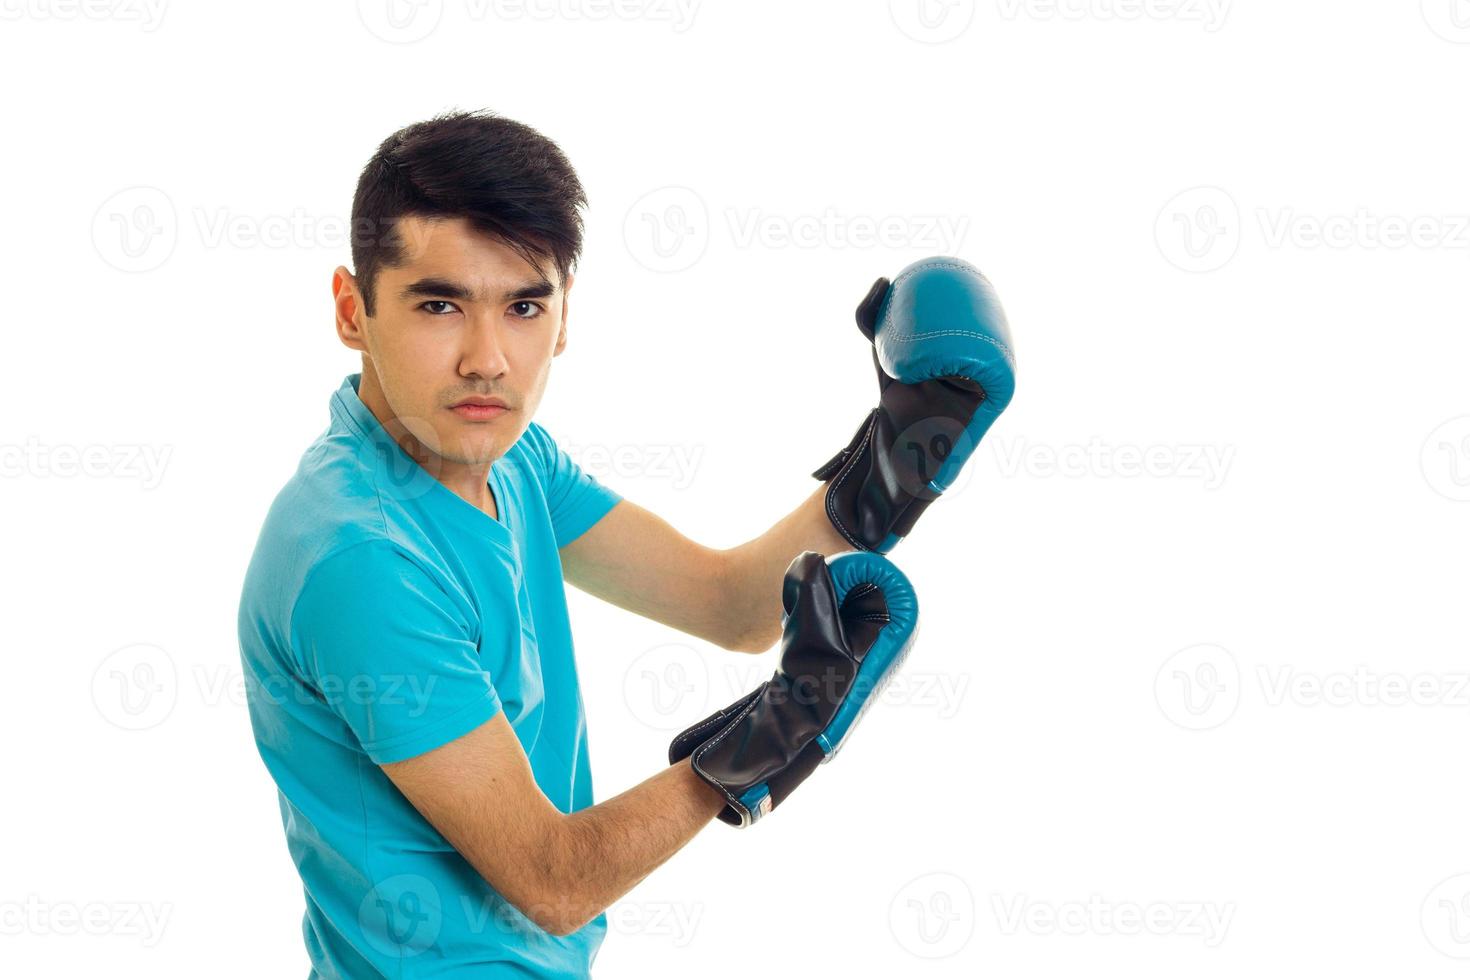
561	870
731	597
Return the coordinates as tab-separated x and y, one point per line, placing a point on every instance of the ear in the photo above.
561	336
347	304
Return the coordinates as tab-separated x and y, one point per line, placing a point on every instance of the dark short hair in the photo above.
505	178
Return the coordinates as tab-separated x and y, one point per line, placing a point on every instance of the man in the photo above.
403	622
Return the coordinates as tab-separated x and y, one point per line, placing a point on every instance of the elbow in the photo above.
744	630
755	640
557	913
565	927
551	891
547	920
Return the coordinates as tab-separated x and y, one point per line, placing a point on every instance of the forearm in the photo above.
601	852
754	570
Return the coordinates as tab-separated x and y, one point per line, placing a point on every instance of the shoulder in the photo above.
537	454
536	444
330	503
373	578
331	506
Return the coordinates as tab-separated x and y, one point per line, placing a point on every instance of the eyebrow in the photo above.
449	289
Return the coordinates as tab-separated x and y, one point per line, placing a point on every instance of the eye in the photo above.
434	307
535	309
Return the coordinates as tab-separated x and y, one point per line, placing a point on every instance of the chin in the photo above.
475	452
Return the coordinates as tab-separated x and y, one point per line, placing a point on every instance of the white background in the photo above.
1226	700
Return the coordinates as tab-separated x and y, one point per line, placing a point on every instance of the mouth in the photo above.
480	409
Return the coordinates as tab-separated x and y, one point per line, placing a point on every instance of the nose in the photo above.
483	354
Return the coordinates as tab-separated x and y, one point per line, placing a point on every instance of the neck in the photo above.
468	481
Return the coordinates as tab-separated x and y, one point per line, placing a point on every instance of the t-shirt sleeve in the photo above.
390	653
575	498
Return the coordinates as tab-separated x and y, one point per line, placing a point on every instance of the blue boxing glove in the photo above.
942	350
849	622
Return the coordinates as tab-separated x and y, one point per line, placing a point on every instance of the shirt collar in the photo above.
400	474
348	408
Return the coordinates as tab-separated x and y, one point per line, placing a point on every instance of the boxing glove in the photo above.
942	350
848	623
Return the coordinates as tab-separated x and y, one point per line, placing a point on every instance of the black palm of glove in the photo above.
759	749
880	482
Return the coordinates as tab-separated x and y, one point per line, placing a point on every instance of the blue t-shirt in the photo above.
382	616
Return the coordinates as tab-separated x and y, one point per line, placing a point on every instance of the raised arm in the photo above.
731	597
561	870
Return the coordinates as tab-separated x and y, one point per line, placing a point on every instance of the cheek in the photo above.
413	369
528	347
421	353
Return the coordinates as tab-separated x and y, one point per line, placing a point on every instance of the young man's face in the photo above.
462	317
